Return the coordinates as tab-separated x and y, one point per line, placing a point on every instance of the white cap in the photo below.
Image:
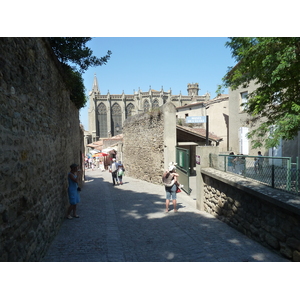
171	168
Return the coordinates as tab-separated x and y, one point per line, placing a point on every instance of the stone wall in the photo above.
267	216
149	142
40	137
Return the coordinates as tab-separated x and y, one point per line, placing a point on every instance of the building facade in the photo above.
107	113
217	110
240	124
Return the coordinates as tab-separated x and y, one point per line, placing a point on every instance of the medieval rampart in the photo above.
40	136
149	143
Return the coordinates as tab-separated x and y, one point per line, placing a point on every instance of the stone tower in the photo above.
193	89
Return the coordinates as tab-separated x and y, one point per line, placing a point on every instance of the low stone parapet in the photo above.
268	216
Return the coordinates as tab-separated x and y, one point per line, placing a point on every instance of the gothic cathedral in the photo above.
107	112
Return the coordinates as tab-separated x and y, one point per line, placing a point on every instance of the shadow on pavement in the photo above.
128	223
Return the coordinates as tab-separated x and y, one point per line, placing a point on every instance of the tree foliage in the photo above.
74	50
76	58
75	83
273	63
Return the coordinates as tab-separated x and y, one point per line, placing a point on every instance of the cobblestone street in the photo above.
127	223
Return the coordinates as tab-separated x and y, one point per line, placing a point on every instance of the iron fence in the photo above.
277	172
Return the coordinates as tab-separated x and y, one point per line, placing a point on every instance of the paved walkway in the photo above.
128	223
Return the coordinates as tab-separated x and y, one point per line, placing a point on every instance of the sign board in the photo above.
195	119
198	159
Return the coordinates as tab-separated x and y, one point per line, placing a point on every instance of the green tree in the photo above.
75	83
76	58
74	50
273	63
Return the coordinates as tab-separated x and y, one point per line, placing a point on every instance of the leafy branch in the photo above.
272	63
76	58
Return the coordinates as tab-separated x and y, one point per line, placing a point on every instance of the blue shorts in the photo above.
171	192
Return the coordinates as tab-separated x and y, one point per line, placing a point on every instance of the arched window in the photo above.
129	110
146	106
102	121
116	113
155	103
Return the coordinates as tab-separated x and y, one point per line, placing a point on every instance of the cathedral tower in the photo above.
193	89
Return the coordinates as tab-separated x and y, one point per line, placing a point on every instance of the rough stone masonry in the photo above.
40	136
149	143
252	209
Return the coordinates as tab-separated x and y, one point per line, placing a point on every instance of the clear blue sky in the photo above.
142	59
168	62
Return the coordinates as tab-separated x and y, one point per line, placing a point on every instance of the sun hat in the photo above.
171	168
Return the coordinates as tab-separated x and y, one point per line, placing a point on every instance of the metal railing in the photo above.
276	172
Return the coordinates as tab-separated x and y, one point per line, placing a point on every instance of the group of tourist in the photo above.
93	163
236	164
169	179
117	171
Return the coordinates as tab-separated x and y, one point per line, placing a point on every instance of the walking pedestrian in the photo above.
258	164
92	164
243	164
73	191
237	164
120	172
169	179
230	162
113	169
101	165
